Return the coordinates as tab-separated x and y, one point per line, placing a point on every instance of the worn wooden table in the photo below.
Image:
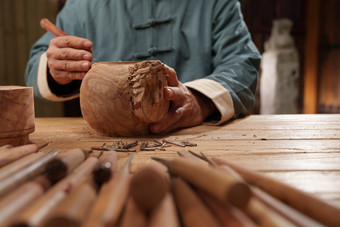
300	150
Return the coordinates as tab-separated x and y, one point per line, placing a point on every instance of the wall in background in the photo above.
317	38
328	76
259	16
19	30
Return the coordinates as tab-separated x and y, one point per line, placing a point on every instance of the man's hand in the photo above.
188	108
69	58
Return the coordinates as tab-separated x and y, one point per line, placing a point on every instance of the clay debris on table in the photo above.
121	146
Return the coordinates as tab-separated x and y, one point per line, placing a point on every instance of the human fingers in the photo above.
170	121
178	95
173	93
172	76
69	66
71	42
68	54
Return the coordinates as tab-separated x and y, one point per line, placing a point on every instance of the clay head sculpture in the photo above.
123	98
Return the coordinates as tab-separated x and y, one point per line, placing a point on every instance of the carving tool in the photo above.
105	168
148	187
14	153
302	201
133	216
37	213
18	165
21	198
54	30
72	210
25	174
165	214
191	208
111	199
65	163
223	187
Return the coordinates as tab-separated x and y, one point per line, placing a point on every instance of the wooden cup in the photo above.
16	114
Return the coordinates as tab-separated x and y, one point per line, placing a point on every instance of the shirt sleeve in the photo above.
33	65
44	84
217	94
236	60
37	75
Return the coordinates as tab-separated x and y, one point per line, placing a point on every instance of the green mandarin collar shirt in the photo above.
205	41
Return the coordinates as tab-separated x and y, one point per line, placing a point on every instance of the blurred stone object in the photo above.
280	71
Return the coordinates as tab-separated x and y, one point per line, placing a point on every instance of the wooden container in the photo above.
123	98
16	114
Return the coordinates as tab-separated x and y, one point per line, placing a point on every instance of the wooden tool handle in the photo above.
25	174
72	210
302	201
20	199
50	27
111	199
64	164
133	216
283	209
105	168
192	210
11	154
148	187
38	211
224	187
278	207
165	214
264	215
18	165
186	154
227	215
5	147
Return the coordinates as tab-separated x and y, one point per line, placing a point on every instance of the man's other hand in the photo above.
188	108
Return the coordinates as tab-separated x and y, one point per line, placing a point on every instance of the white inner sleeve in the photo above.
43	87
218	94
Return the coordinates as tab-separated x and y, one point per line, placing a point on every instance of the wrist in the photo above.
63	90
207	106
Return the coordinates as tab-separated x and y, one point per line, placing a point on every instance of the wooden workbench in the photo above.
300	150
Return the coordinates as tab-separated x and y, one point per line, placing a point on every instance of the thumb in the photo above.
172	93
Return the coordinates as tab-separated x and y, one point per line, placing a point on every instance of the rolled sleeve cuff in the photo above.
44	89
219	95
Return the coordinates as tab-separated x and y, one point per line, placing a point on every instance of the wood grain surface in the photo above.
300	150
